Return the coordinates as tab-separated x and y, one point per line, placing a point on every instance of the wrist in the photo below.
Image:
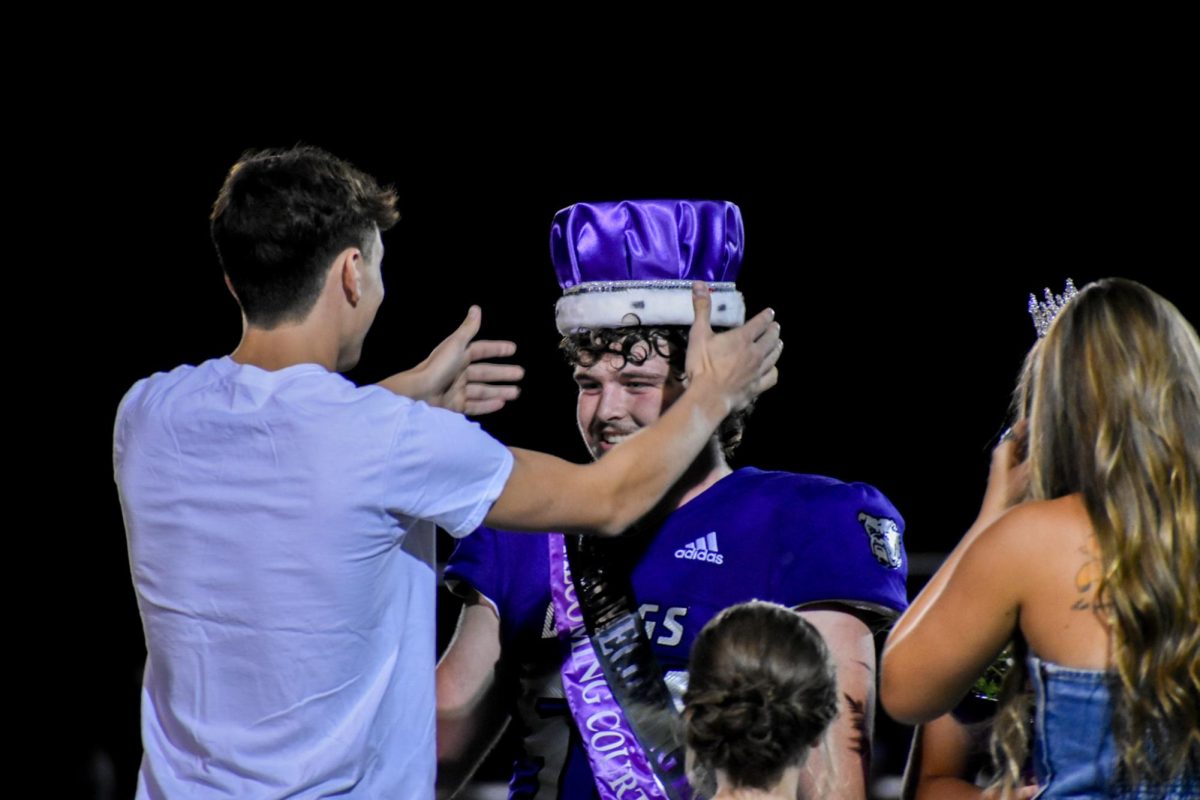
419	385
714	400
995	503
409	383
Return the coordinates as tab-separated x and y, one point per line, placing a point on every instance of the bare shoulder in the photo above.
1040	524
1029	547
1052	545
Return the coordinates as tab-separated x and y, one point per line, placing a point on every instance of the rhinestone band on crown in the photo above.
621	286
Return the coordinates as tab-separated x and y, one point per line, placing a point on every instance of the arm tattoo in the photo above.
860	737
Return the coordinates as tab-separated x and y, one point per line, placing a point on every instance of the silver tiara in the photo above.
1044	311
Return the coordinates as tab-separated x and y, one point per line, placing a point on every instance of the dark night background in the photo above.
897	239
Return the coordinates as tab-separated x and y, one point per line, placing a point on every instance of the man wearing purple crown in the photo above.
586	645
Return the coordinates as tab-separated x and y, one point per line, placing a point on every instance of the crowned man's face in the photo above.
617	398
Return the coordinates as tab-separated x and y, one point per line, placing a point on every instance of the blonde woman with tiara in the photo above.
1086	553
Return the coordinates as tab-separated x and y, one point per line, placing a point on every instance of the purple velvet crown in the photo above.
632	262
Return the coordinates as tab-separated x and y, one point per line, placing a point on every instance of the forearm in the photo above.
471	713
608	496
410	383
939	762
1006	487
463	724
464	740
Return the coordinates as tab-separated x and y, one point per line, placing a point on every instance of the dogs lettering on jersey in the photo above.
672	628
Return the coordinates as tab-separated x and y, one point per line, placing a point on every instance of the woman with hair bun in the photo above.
761	692
1087	552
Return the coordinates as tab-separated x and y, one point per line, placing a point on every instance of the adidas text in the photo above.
700	555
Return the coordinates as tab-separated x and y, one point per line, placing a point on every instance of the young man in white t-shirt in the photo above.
279	518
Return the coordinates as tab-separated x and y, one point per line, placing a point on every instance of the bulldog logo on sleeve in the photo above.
884	535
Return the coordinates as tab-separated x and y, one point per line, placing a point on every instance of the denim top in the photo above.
1074	754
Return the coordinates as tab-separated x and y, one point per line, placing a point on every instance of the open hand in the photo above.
741	361
456	375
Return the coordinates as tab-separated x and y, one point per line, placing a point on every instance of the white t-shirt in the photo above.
281	546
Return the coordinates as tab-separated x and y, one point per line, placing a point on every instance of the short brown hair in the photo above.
281	216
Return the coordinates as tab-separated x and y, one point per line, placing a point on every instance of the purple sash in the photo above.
622	768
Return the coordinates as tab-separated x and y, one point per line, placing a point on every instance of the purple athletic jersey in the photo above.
791	539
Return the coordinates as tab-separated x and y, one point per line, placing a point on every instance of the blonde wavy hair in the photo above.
1113	397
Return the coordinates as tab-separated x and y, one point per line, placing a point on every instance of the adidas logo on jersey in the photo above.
703	549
